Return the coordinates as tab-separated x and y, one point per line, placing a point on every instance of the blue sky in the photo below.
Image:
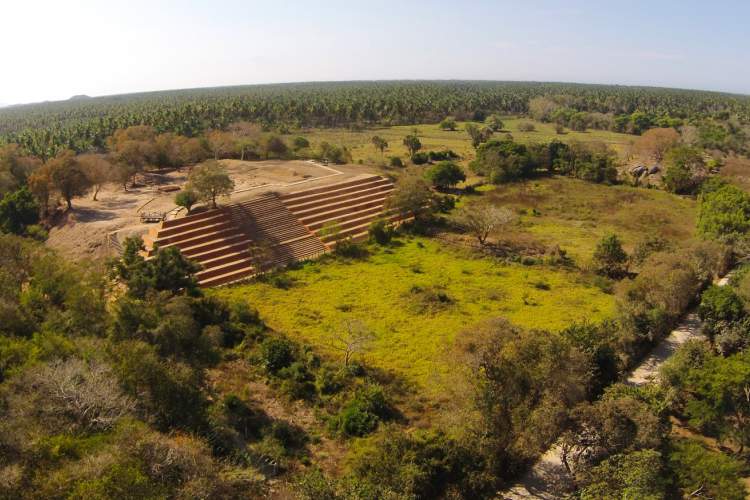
56	49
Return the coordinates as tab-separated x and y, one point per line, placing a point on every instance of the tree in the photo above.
411	196
412	144
244	145
300	142
186	198
445	174
686	169
448	123
15	167
503	161
221	143
639	474
481	219
720	303
168	270
655	142
495	122
98	170
724	212
379	143
40	185
68	177
210	180
609	257
273	144
352	338
18	210
478	135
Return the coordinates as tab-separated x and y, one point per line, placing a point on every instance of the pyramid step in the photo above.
195	232
229	277
189	226
227	267
189	218
300	206
342	211
348	220
330	187
213	244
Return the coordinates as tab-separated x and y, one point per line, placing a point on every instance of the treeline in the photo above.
82	125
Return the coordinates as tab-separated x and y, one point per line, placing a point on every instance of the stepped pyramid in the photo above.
232	242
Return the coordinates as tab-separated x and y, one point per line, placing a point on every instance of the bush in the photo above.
395	161
420	158
715	474
610	259
724	211
300	142
445	174
187	199
380	232
448	123
362	413
526	127
720	303
277	354
18	210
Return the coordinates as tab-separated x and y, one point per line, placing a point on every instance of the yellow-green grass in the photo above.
575	214
413	336
434	138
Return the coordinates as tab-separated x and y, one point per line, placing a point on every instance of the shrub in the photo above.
695	467
526	127
380	232
300	142
720	303
724	211
609	257
445	174
362	413
448	123
395	161
420	158
186	198
277	354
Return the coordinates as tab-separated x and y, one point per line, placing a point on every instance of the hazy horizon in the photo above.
84	48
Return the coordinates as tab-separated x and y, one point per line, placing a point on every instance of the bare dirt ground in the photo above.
94	228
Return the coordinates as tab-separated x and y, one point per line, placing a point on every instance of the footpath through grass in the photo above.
416	296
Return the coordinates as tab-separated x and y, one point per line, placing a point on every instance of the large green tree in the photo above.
210	181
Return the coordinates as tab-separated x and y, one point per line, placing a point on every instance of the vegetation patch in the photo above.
415	295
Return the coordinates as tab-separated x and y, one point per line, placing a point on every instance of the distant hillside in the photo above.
80	97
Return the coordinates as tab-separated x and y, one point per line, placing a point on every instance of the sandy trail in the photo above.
548	479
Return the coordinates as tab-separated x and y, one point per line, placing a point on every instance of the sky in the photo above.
55	49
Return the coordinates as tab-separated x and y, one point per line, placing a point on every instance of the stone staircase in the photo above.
351	206
240	240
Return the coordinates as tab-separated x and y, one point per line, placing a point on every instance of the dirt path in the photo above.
547	479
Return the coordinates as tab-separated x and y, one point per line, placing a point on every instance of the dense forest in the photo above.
84	123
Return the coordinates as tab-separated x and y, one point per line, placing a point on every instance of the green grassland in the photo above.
575	214
433	137
394	292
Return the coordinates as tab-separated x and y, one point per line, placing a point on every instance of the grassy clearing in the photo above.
397	291
433	138
576	214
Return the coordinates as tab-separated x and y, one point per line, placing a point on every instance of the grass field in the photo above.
575	214
396	293
433	138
